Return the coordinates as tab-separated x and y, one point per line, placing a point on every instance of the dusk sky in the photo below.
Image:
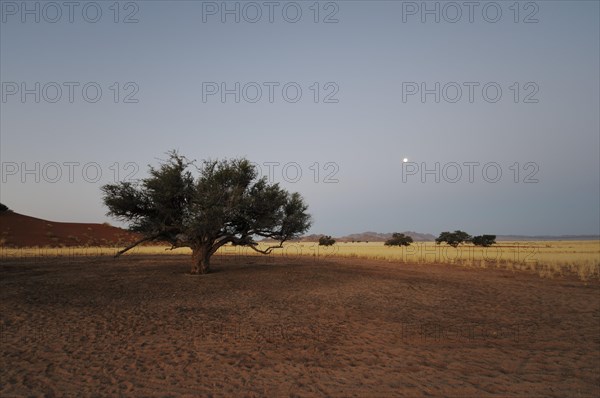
495	107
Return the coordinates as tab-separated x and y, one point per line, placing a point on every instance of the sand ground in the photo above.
139	326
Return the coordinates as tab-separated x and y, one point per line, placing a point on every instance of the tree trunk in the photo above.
200	261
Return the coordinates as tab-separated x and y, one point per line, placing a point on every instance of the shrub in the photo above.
326	240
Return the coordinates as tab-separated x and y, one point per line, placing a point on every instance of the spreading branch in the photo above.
131	246
268	250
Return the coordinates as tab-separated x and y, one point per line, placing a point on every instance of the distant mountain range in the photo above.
425	237
371	236
382	237
547	237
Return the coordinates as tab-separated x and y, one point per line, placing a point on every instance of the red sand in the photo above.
18	230
139	326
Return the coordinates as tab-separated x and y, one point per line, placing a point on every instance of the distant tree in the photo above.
226	203
399	239
326	240
484	240
453	238
3	208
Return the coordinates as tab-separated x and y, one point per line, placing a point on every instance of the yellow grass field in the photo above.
547	258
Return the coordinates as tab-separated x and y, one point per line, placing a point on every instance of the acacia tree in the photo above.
399	239
453	238
226	203
484	240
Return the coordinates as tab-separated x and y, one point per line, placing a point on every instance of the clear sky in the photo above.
362	68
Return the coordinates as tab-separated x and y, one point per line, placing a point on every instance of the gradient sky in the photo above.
374	49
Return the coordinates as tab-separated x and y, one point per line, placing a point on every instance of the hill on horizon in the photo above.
18	230
371	236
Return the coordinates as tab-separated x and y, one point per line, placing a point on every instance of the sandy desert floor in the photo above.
139	326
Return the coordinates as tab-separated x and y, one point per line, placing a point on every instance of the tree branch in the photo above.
173	247
131	246
269	249
218	244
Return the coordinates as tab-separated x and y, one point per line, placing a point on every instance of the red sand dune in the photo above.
18	230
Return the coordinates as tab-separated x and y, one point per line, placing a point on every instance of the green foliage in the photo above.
399	239
453	238
326	240
226	203
484	240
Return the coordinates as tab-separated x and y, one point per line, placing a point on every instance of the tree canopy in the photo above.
454	239
226	203
399	239
484	240
458	237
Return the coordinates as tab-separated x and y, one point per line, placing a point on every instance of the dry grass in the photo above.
548	259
